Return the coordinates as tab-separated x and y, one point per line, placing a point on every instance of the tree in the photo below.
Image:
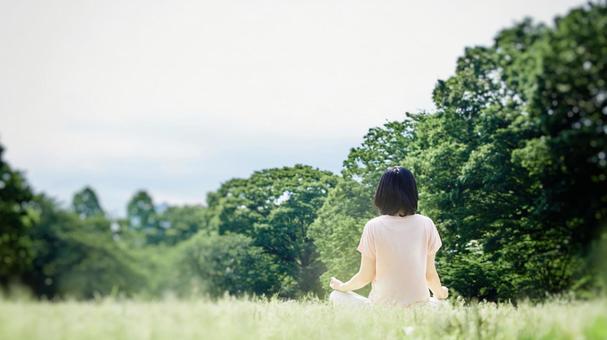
86	204
143	218
492	182
216	264
517	138
566	155
275	207
182	222
15	244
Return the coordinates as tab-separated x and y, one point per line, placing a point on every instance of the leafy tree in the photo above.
382	147
275	207
15	245
566	155
86	204
517	138
506	170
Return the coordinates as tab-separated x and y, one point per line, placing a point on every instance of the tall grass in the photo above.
231	318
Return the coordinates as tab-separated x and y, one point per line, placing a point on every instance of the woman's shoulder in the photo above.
424	218
378	220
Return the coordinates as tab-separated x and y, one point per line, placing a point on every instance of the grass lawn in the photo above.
248	319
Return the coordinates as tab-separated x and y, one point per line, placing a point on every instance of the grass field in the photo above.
247	319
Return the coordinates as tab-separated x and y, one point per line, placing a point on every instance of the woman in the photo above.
397	248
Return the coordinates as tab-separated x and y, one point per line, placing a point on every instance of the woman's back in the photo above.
397	251
400	247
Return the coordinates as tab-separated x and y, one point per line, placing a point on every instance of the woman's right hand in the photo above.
336	284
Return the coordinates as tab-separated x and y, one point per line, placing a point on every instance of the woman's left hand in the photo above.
336	284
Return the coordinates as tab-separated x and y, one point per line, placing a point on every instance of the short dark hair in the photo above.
396	192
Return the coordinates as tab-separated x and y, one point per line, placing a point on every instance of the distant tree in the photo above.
15	244
75	257
142	217
182	222
86	204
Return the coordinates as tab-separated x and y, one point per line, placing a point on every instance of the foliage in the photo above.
275	207
517	139
15	245
179	223
74	257
86	204
142	217
217	264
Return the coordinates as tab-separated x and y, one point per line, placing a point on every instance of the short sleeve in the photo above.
434	241
366	246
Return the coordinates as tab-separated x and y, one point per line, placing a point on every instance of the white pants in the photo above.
352	299
348	299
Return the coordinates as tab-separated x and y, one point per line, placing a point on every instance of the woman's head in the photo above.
396	192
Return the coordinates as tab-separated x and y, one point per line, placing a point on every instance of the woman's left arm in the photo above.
365	274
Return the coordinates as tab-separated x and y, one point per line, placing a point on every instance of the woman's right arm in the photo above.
438	291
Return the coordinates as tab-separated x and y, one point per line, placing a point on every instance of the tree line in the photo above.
511	166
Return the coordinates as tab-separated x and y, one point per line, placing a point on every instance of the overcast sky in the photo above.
178	96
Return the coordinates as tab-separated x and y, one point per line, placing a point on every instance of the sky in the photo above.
176	97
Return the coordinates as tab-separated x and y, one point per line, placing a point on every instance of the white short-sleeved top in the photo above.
400	246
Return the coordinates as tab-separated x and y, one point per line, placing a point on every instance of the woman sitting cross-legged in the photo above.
397	248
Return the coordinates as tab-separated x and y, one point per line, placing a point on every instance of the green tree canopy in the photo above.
86	204
15	244
216	264
511	165
182	222
142	217
275	207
